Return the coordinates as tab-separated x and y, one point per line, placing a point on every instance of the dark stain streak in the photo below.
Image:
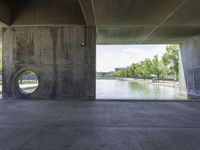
54	37
20	49
62	43
63	48
31	50
85	47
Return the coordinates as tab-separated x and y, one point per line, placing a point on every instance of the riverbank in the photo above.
161	82
173	84
146	81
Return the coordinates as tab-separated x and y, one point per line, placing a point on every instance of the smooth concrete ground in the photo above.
99	125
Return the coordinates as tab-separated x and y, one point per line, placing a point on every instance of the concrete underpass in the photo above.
57	40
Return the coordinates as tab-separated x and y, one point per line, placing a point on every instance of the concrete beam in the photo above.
47	12
133	12
122	35
88	12
172	34
4	14
133	35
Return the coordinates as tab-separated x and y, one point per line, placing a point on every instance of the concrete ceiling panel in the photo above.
133	12
47	12
187	15
167	35
120	35
169	21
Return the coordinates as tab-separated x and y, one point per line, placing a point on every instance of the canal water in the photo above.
121	89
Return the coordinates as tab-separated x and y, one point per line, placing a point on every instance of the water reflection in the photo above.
119	89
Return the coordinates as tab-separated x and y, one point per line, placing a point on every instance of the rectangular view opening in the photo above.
130	72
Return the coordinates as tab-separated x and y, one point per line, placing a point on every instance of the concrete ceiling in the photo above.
146	22
117	21
42	12
4	13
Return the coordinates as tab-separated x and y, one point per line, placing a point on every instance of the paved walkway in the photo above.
99	125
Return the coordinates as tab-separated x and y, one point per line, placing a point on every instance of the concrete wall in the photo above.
66	69
190	67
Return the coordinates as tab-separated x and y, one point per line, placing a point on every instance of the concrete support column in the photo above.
182	83
62	56
190	67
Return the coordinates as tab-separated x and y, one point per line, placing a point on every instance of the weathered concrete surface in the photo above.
117	21
5	11
144	22
55	51
47	12
65	67
88	12
37	12
99	125
190	66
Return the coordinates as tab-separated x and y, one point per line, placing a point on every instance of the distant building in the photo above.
104	74
117	69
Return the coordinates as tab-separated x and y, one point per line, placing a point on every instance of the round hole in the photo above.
28	82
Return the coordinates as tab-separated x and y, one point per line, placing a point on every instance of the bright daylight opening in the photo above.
28	82
138	72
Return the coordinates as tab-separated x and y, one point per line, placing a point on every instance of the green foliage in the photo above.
121	73
132	71
138	70
168	65
29	72
171	59
147	68
156	67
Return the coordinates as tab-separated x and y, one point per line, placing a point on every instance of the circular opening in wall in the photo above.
28	82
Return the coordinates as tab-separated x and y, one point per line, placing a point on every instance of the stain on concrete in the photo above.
54	37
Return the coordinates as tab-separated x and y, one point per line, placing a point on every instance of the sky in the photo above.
109	57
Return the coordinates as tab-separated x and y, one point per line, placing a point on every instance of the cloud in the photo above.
111	57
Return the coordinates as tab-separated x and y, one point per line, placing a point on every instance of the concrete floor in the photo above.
99	125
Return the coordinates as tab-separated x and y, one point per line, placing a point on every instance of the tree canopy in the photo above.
171	59
168	65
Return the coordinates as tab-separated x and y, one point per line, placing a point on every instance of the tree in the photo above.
144	69
156	68
138	70
147	68
121	73
131	70
171	59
